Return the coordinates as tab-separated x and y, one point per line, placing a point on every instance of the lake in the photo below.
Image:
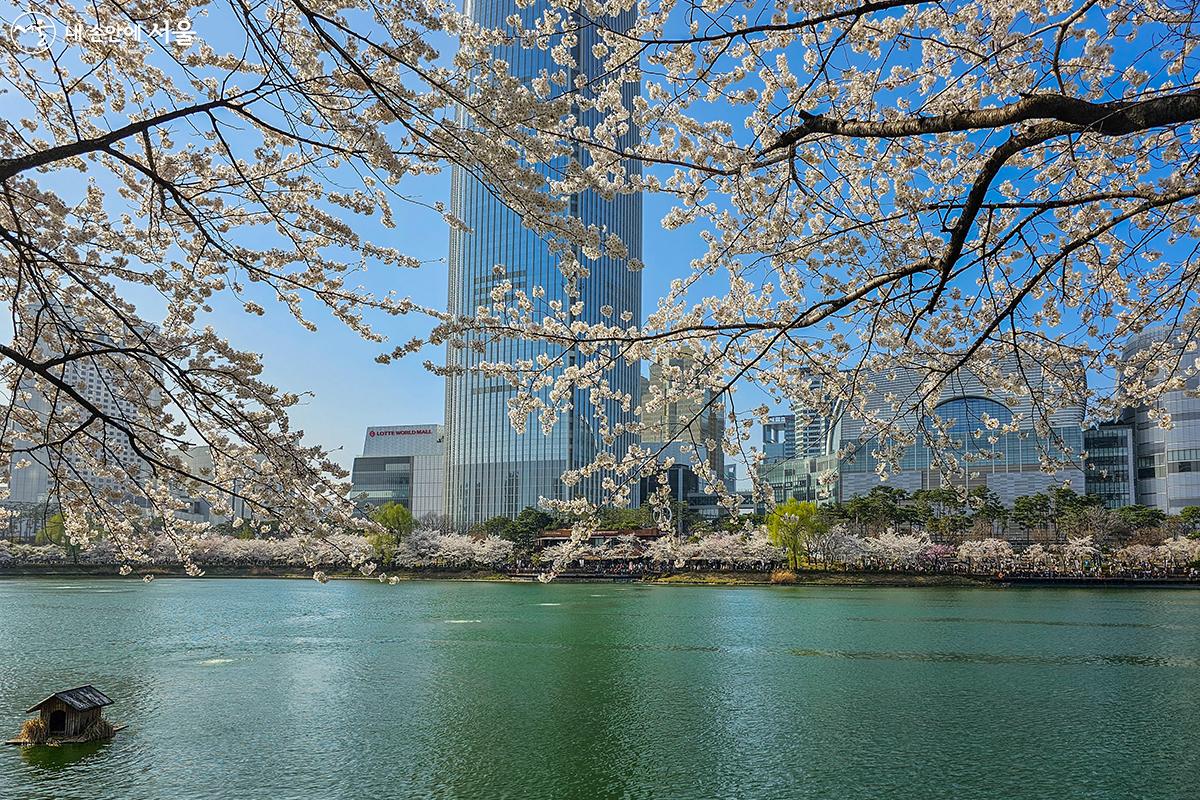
278	689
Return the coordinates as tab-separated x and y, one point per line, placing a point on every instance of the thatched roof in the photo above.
81	698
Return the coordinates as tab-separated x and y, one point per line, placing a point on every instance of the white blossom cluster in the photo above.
422	548
936	186
888	550
939	185
428	548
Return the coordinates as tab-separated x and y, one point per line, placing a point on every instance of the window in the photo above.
966	415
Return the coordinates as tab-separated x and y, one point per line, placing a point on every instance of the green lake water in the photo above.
274	689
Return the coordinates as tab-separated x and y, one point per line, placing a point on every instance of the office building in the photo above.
1168	459
686	425
198	462
401	464
844	466
779	438
813	432
1011	466
491	469
807	478
1109	466
683	414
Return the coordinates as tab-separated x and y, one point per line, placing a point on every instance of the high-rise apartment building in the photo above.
492	470
33	475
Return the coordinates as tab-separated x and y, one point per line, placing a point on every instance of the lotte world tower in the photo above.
491	470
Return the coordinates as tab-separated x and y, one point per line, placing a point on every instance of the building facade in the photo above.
840	463
684	418
1109	469
779	438
491	469
1168	459
1012	466
813	433
31	478
801	478
1130	461
401	464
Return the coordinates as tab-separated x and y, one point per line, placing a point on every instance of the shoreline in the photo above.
714	579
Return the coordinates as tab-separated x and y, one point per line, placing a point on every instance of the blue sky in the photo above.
352	391
349	390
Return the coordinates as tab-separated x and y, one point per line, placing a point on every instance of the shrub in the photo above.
783	576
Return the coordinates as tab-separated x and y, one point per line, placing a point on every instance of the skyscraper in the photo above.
684	418
779	438
490	469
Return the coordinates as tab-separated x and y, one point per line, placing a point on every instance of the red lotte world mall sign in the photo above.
402	432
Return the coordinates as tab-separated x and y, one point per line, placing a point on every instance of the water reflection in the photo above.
58	757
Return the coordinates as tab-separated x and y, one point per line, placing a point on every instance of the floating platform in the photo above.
58	742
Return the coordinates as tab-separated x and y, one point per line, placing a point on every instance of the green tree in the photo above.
793	526
384	544
615	519
55	532
939	512
397	522
1190	516
731	523
524	531
1070	509
1138	518
987	508
494	526
1033	512
882	507
395	517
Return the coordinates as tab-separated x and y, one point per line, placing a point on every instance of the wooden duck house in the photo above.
72	715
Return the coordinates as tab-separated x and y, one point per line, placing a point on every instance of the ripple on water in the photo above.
673	692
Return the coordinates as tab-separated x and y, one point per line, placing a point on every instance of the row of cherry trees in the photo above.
421	549
428	549
1056	515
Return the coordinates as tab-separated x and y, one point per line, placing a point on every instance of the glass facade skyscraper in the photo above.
491	470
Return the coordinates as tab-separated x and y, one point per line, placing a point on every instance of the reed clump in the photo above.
99	730
783	576
33	731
